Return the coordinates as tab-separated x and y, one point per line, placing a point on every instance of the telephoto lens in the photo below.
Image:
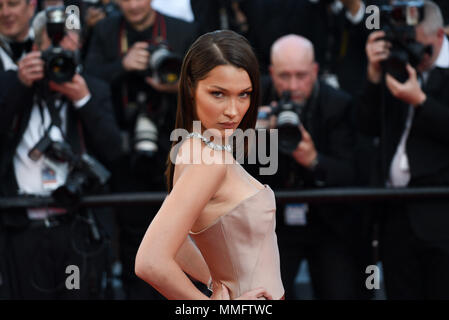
288	123
164	64
145	136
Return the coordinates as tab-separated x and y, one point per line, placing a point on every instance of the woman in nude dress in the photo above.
217	223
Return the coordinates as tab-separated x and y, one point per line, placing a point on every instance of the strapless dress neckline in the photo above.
240	247
257	193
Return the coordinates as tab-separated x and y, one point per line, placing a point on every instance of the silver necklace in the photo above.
210	144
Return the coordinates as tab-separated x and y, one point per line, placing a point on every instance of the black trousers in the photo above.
414	268
132	224
336	270
136	175
38	258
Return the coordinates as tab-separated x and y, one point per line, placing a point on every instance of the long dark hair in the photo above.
210	50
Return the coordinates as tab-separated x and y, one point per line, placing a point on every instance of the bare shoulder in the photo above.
201	161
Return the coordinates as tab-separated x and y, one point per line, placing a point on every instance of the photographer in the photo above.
140	53
316	152
46	130
411	116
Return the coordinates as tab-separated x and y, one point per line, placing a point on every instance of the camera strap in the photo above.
55	115
54	111
159	34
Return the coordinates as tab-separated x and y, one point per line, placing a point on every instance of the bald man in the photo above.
323	158
293	67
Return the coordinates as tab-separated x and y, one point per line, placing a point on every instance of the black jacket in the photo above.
99	129
339	44
331	130
103	59
427	146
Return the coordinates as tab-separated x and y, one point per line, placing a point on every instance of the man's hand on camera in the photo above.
377	50
305	153
75	90
410	91
31	68
136	59
162	87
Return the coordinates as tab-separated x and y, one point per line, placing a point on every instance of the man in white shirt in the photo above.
84	121
415	237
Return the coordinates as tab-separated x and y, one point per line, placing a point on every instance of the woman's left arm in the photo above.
192	262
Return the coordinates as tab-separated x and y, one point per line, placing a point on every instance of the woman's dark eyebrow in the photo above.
223	89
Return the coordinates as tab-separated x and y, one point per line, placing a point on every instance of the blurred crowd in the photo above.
88	101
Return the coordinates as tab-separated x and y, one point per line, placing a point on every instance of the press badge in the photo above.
295	214
53	175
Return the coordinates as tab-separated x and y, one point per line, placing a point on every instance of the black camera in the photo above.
398	22
60	64
108	8
85	175
93	4
164	64
288	122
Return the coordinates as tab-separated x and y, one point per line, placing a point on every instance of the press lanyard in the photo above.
55	115
54	112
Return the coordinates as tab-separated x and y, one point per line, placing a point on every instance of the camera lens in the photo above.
61	67
288	130
146	136
166	64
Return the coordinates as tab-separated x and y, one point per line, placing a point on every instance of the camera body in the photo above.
93	4
85	175
108	8
164	64
60	65
398	22
288	122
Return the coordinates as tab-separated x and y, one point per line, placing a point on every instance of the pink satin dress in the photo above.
241	248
